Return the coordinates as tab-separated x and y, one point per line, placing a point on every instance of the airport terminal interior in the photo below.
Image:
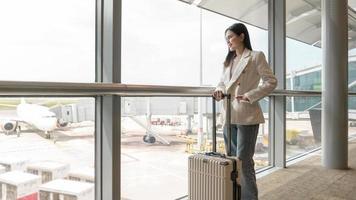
107	100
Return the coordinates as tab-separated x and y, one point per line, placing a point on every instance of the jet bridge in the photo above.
170	106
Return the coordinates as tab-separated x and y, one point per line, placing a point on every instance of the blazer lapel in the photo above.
239	68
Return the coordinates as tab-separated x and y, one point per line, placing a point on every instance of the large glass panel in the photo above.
303	27
352	71
47	144
352	116
177	41
303	125
160	42
159	134
47	40
262	149
352	88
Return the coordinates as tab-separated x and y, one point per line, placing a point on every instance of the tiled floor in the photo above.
308	180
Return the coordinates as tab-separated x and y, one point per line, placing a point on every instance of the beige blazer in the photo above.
245	80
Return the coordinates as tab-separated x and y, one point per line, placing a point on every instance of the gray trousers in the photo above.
243	146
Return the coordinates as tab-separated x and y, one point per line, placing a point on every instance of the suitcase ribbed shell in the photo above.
210	178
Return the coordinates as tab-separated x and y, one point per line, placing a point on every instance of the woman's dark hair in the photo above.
237	28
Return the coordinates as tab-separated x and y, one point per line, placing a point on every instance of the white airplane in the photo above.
37	116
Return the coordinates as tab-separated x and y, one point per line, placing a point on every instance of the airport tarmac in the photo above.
158	171
149	171
77	151
154	171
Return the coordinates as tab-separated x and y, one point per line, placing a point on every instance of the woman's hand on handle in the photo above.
218	95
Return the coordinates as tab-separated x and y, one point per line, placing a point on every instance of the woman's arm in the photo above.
269	81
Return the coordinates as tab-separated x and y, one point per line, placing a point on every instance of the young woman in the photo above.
243	70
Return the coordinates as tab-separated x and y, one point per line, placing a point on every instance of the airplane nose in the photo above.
47	124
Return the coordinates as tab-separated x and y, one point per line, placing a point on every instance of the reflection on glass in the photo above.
303	125
303	30
47	148
159	133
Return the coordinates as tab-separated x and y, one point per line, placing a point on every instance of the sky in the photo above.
54	40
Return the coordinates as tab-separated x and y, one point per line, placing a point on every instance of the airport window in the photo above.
303	23
262	157
51	141
303	125
352	99
303	114
47	40
160	42
351	83
172	54
352	73
158	135
352	116
50	152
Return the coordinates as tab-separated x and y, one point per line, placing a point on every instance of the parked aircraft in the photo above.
37	116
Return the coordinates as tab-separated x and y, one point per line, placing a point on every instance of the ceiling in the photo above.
303	17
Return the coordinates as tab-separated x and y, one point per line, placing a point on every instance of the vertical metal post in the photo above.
108	113
228	123
214	124
98	101
334	84
200	99
277	60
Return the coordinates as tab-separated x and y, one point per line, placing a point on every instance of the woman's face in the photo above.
233	40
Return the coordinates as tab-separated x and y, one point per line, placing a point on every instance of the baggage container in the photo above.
83	175
214	176
49	170
66	189
13	163
17	185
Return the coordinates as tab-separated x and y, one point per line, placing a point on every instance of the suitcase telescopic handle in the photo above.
228	122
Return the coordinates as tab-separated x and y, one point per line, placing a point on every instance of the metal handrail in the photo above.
26	88
12	88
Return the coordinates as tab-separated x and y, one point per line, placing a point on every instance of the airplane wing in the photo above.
12	119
